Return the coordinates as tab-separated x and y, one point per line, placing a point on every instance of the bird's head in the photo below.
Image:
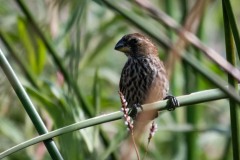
136	45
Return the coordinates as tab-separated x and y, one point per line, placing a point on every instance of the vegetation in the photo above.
63	54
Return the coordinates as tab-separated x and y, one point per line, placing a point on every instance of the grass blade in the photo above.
231	57
233	24
28	105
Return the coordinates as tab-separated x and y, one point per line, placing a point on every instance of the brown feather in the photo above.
143	78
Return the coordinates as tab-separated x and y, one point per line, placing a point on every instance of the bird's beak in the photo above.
120	46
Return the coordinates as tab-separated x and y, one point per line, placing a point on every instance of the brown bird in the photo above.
143	78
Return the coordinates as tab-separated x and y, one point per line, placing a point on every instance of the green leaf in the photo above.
41	56
27	44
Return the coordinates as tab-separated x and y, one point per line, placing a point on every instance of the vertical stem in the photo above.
191	112
231	57
184	8
172	80
233	24
169	10
28	106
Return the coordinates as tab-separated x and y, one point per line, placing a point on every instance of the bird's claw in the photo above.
133	111
172	102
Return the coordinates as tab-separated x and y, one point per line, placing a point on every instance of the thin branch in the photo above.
191	24
166	44
193	98
190	37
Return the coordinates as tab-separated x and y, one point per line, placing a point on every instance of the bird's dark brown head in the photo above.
136	45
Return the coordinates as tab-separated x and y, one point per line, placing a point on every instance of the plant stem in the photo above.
233	24
56	59
29	107
166	44
193	98
231	57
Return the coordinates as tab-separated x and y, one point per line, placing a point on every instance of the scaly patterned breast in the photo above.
143	80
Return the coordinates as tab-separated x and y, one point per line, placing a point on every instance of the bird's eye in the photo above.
133	41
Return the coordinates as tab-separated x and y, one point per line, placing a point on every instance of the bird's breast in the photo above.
143	80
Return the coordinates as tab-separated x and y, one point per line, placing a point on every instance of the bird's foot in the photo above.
172	102
133	111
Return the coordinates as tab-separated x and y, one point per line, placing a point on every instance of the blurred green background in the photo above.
81	34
